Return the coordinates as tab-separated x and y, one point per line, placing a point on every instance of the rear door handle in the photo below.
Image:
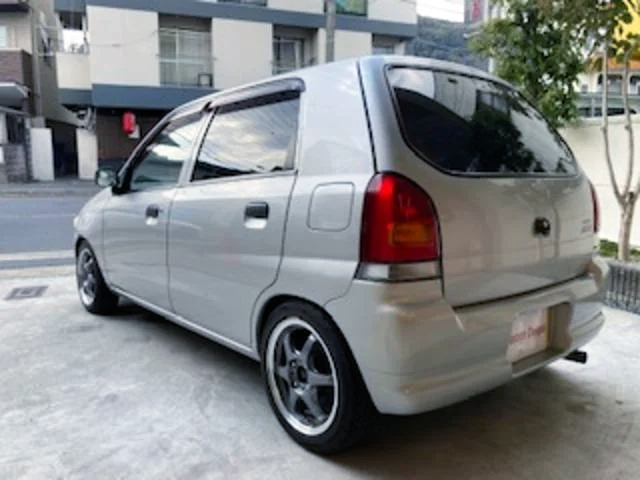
153	211
257	210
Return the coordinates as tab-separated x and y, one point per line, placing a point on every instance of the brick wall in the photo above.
16	66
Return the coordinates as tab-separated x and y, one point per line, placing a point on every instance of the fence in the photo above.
623	287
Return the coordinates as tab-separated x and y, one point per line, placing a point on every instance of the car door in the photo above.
135	218
227	224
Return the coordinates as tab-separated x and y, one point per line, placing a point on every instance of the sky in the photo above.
452	10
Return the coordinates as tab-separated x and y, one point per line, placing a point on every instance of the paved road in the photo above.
37	224
135	397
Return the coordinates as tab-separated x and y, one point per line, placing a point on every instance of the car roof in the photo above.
371	63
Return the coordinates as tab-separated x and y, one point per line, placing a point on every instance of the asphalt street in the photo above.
37	231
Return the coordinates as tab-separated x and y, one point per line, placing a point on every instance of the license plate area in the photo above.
529	335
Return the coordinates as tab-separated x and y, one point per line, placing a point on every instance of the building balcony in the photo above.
590	104
16	67
16	78
73	71
14	6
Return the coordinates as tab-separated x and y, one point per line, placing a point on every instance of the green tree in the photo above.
613	39
539	47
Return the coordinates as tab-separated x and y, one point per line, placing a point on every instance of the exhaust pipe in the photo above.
577	356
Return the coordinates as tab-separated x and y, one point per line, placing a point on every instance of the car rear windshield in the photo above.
469	125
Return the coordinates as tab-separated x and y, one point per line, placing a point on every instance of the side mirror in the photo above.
106	177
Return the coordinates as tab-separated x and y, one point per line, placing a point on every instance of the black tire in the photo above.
100	300
345	424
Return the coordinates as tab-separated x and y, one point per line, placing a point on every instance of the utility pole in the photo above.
330	30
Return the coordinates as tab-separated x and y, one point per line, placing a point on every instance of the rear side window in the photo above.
256	136
468	125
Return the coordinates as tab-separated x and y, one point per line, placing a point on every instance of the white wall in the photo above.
586	142
393	11
590	79
242	52
400	48
19	30
348	44
124	46
87	145
3	129
42	154
352	44
73	71
310	6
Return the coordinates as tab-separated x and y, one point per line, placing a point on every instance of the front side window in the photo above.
161	161
470	125
251	137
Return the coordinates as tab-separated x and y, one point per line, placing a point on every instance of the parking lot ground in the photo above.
136	397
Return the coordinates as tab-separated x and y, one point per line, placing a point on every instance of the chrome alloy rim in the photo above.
86	274
302	377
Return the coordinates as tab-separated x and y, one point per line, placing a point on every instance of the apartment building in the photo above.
36	132
145	57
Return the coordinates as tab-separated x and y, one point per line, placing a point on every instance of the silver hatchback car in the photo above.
387	233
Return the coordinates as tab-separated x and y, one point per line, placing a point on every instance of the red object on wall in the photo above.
129	122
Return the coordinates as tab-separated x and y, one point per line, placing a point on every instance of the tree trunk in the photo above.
605	123
626	218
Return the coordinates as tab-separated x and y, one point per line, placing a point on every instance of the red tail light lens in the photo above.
596	209
399	222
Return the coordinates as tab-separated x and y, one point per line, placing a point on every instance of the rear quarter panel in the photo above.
335	163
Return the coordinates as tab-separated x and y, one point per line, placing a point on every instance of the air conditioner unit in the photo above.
205	80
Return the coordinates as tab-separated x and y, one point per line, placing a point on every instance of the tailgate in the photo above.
515	210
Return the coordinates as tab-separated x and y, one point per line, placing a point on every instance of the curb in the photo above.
43	193
35	272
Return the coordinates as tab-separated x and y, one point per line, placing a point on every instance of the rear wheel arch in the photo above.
268	307
79	242
274	302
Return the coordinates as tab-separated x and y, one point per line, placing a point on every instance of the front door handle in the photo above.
153	211
259	210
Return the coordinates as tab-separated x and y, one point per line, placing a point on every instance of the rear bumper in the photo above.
416	353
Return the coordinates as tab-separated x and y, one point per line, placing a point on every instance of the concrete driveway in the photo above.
134	396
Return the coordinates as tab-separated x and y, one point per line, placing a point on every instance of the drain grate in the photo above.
23	293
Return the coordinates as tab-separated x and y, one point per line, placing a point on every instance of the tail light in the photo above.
399	227
596	209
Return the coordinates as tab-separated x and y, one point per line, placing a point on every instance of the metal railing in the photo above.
623	287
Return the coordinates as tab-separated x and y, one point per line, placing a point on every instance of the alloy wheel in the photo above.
301	377
87	276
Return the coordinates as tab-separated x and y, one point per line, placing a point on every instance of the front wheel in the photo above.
312	382
94	294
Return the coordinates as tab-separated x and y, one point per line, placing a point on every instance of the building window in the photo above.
74	37
288	54
185	58
262	3
352	7
4	36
